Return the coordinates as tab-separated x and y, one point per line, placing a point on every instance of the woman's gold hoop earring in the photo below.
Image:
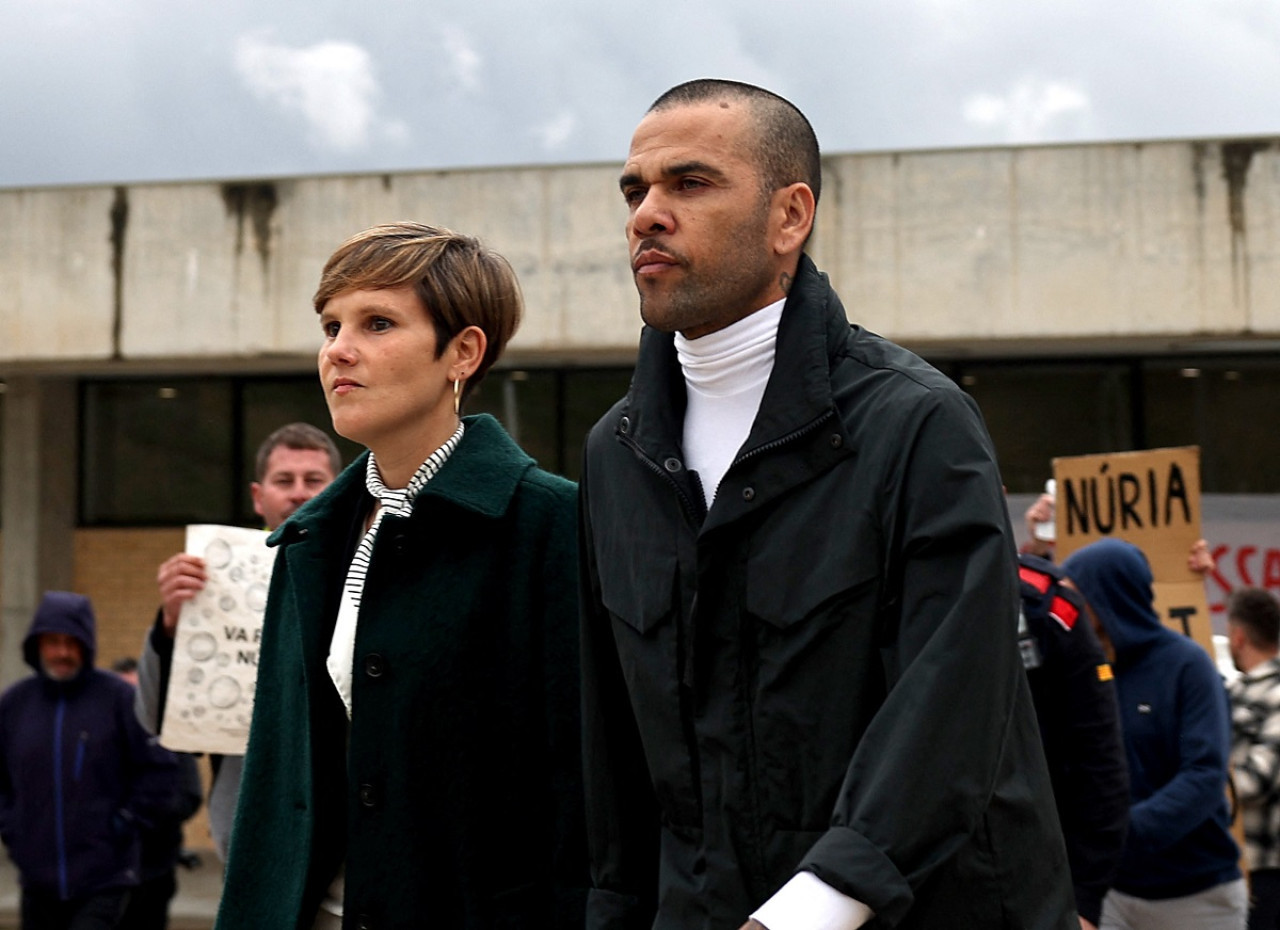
457	397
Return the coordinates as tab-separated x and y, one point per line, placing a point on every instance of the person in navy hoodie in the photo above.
1179	869
78	776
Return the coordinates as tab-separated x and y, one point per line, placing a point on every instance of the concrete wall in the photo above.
1160	242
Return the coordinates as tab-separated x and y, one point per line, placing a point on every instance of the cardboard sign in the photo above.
1151	499
209	703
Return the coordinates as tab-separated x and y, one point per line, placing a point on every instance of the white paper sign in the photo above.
215	649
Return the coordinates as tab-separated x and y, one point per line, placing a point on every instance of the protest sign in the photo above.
209	703
1151	499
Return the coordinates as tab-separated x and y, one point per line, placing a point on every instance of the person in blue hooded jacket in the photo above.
78	776
1180	866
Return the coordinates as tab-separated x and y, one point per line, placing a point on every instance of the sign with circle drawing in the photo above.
209	702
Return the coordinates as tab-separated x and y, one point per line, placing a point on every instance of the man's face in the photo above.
699	228
292	478
61	655
1235	643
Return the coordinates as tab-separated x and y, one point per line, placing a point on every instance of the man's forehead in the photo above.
286	459
672	137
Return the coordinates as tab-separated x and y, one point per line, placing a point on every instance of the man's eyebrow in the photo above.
676	170
695	167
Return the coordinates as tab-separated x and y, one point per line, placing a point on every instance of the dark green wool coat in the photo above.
459	803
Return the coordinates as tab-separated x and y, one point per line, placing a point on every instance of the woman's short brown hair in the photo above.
460	281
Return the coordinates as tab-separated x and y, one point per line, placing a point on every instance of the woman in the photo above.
413	759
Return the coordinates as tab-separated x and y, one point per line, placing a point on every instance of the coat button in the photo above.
624	425
303	532
368	796
672	464
748	494
836	440
364	922
374	665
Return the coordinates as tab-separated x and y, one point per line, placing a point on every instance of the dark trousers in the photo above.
149	904
42	910
1264	899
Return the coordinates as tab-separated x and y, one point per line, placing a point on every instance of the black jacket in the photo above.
1074	692
821	672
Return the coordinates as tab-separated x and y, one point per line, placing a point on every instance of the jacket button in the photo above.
374	665
364	922
672	464
836	440
748	494
624	425
368	796
303	532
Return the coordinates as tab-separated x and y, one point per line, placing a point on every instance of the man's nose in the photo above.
651	215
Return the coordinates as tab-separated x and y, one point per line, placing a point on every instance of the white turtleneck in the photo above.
725	373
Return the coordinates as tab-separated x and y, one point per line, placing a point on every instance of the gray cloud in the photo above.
143	89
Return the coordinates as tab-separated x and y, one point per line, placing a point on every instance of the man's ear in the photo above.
793	209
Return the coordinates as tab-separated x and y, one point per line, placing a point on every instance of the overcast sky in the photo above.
135	90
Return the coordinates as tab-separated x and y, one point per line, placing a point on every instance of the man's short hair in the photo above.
1258	613
460	281
296	436
785	145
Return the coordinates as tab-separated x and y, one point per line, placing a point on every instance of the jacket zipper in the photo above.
749	679
784	440
58	813
80	744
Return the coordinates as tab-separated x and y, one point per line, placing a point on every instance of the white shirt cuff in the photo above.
808	903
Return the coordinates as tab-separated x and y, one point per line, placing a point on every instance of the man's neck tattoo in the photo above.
784	282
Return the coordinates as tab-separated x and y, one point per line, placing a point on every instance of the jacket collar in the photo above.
1269	668
481	475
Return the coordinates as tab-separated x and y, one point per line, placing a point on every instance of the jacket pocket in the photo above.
637	589
789	581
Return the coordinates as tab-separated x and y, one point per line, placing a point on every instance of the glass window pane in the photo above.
1227	407
157	452
1037	411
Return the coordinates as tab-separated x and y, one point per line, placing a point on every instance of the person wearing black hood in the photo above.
1180	866
78	776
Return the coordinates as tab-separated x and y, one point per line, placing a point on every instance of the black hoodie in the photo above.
77	771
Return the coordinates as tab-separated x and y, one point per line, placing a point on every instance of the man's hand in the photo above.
1085	925
1200	560
1039	512
180	578
753	925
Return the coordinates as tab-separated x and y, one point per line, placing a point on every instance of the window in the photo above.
181	450
1038	411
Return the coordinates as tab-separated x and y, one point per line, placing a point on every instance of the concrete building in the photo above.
1092	297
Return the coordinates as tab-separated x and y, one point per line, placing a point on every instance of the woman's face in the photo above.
382	381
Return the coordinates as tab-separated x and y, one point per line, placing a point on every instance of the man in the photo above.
1253	635
78	776
803	698
1179	868
1073	689
293	465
